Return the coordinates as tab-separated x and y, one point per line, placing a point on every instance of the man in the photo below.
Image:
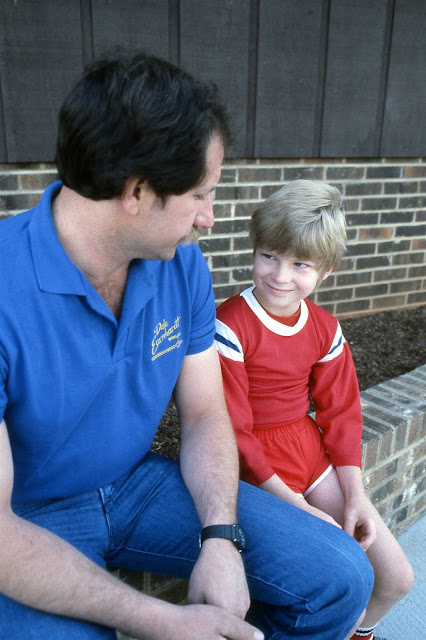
106	309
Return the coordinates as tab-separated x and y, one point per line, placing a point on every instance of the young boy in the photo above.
277	347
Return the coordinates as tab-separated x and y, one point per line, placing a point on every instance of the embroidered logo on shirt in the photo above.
166	338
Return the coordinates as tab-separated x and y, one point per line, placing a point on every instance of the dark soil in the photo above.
384	345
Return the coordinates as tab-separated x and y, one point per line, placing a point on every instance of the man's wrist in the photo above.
233	532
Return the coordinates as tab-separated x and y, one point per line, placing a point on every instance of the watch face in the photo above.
242	537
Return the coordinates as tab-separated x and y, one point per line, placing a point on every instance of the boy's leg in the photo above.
308	578
81	522
393	576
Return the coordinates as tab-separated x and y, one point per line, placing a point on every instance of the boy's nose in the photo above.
283	273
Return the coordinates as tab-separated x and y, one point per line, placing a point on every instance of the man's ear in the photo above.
135	191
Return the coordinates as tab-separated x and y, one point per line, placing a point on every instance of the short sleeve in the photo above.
3	380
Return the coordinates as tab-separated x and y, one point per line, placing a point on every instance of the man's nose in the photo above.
205	215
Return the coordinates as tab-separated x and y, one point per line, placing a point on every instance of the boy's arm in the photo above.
335	391
358	519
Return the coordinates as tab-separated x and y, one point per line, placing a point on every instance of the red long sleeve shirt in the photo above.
269	369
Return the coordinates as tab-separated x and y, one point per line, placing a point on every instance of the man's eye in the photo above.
199	197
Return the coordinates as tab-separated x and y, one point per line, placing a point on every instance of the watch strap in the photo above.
226	531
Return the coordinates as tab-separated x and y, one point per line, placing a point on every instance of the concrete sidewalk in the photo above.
407	620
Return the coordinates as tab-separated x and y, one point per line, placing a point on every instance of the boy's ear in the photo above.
327	273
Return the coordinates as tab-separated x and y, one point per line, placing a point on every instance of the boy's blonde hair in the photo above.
304	218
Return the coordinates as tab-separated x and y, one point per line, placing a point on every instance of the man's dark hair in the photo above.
137	115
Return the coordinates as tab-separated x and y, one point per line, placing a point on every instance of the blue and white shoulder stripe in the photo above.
227	342
336	346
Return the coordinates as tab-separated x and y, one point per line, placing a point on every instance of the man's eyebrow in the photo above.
208	190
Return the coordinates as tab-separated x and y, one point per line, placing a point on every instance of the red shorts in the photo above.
296	453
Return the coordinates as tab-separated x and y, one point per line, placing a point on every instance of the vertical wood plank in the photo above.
131	25
214	46
40	56
404	131
288	77
355	64
3	147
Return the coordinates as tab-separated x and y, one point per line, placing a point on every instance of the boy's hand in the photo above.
360	524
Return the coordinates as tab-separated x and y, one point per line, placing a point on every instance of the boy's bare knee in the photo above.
397	586
407	581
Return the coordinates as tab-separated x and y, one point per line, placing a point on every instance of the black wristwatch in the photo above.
233	532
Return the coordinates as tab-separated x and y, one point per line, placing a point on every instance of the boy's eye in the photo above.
268	256
303	265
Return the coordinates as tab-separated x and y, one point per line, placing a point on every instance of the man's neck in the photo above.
86	231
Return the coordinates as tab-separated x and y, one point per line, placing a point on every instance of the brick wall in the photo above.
385	204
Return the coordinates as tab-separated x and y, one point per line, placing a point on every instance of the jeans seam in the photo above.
104	502
156	555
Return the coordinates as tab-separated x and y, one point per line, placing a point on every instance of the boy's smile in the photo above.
282	281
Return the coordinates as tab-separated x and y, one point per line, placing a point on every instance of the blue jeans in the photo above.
307	578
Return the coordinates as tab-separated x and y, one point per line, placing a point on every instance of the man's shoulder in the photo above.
189	263
11	228
14	248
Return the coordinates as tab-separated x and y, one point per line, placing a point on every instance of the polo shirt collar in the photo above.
55	272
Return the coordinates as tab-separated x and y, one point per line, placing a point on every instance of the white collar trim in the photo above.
270	323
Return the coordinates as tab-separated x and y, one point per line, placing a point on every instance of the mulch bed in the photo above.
384	345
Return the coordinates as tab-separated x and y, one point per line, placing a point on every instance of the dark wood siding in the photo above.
302	78
404	129
40	55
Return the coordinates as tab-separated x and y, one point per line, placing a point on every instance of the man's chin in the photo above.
191	238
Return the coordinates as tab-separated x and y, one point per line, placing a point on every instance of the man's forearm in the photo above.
209	463
43	571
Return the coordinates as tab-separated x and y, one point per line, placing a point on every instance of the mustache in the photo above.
192	237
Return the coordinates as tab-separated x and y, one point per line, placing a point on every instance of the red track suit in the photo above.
269	369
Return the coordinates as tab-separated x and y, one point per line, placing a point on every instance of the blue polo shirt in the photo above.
81	393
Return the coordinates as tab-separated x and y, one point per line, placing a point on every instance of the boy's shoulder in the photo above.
320	316
233	312
234	302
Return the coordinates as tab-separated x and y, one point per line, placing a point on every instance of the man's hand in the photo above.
218	578
204	622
